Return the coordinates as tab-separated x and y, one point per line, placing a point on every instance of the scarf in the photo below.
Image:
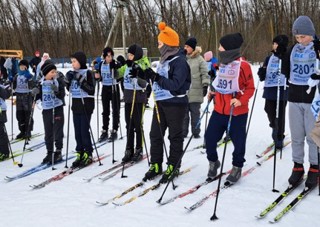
228	56
167	51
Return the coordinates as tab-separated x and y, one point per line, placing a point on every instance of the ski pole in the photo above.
142	133
68	130
183	152
113	109
98	91
206	125
9	145
90	130
117	92
28	129
130	124
11	110
251	112
53	130
276	128
214	215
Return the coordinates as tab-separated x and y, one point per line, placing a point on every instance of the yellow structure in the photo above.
12	53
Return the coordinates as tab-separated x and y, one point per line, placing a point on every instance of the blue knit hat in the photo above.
303	26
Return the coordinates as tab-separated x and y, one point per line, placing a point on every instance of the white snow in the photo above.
71	201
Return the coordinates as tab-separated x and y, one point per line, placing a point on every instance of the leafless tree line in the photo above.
61	27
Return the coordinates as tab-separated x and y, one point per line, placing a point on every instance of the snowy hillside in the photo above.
72	201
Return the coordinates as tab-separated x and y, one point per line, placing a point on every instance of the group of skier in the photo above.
180	82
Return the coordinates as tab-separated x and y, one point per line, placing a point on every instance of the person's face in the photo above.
221	48
274	46
130	56
304	39
108	58
188	49
22	67
75	64
51	74
160	44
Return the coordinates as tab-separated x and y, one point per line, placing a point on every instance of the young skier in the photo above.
22	84
107	73
135	98
51	92
234	86
80	83
299	64
269	73
171	83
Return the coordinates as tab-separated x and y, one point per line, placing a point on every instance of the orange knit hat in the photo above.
168	35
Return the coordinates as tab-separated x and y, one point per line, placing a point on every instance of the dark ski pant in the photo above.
23	114
270	108
171	118
53	128
134	124
114	99
4	140
193	112
218	124
82	132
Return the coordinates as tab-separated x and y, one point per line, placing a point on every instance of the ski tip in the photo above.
188	209
101	203
272	221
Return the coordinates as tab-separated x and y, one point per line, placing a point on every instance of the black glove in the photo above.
114	65
315	76
136	71
150	74
121	60
204	90
212	74
69	77
316	46
262	73
129	63
280	51
35	91
54	88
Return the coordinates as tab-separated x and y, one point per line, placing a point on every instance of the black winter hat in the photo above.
121	59
191	42
24	62
81	58
136	50
47	67
106	51
281	40
231	41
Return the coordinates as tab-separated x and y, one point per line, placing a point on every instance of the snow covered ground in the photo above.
71	201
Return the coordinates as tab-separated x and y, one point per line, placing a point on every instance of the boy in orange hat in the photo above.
170	82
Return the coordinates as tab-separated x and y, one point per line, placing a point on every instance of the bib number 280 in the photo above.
305	69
